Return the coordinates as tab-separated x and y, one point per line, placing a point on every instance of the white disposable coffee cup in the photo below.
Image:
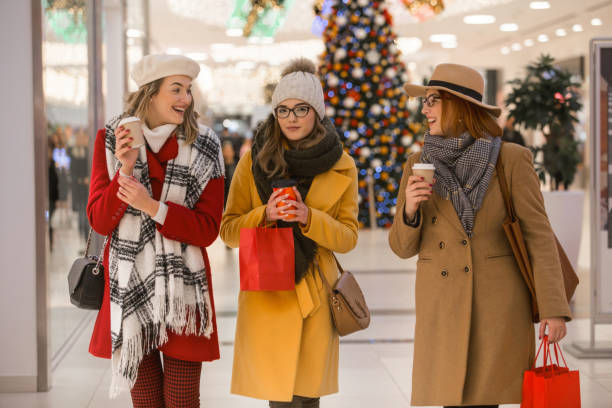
425	170
134	125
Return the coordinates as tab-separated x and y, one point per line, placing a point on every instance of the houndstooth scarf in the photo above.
464	167
157	283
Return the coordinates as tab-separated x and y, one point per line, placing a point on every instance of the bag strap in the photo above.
503	184
97	268
323	278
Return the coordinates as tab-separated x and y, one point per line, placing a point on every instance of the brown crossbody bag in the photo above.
512	228
346	301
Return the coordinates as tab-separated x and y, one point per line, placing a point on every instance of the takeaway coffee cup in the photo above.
286	185
425	170
133	124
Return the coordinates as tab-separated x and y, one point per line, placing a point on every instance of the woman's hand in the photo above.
274	213
123	152
417	191
136	195
300	210
556	329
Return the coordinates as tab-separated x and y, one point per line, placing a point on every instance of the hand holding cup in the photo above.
419	188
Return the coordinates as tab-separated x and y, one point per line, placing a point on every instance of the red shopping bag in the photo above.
267	259
550	386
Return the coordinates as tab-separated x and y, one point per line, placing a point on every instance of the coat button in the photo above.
434	220
442	244
464	242
444	273
467	269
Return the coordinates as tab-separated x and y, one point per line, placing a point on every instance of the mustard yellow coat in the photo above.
473	336
285	341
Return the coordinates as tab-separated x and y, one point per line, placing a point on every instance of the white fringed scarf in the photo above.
156	283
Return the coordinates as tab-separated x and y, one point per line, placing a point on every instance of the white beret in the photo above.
155	66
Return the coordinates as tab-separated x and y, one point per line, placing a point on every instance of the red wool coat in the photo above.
199	226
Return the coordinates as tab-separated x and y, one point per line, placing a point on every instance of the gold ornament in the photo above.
258	7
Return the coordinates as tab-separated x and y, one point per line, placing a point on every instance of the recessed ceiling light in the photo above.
529	42
233	32
409	45
542	38
479	19
134	33
439	38
539	5
449	44
516	47
596	22
246	65
560	32
509	27
221	46
412	65
577	28
173	51
505	50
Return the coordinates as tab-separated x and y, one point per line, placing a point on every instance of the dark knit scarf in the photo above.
464	167
304	165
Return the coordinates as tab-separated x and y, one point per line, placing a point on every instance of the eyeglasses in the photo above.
299	111
431	100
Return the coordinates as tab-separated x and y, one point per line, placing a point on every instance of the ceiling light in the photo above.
577	28
221	46
596	22
409	45
542	38
479	19
539	5
246	65
412	66
516	47
173	51
509	27
439	38
560	32
134	33
505	50
529	42
234	32
449	44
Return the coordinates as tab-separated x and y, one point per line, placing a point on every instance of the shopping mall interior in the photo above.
66	72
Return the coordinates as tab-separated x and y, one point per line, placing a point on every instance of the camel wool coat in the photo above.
286	343
474	336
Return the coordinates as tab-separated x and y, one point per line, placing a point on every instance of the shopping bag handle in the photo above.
558	351
547	355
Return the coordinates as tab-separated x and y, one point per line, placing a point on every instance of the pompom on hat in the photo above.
299	81
461	81
156	66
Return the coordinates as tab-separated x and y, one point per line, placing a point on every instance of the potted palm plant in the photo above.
547	100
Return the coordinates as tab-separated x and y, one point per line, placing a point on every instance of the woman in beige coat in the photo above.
474	336
286	348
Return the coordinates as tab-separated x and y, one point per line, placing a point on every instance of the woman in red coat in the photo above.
160	205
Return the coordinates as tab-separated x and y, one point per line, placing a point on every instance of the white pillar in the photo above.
114	49
24	365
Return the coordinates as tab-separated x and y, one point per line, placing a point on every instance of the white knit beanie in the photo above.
299	81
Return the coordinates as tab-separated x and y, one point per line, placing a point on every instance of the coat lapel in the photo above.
327	188
445	207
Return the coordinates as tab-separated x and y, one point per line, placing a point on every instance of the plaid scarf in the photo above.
464	167
157	283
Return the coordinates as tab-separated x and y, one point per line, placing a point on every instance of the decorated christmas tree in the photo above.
362	78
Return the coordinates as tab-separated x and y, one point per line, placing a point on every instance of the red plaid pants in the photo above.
176	385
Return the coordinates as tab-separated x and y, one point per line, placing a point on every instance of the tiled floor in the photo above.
375	365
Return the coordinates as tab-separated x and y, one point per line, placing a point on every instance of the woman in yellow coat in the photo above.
286	347
474	336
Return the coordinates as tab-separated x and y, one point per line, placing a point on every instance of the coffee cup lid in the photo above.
282	183
423	166
129	119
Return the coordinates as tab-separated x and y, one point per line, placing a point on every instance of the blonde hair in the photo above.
138	102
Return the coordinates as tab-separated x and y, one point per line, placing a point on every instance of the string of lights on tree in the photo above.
362	76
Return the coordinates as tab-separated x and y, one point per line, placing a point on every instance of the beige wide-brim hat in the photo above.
156	66
461	81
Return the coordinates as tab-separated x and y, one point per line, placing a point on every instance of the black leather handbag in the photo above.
86	279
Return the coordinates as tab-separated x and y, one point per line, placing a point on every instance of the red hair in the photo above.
459	116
